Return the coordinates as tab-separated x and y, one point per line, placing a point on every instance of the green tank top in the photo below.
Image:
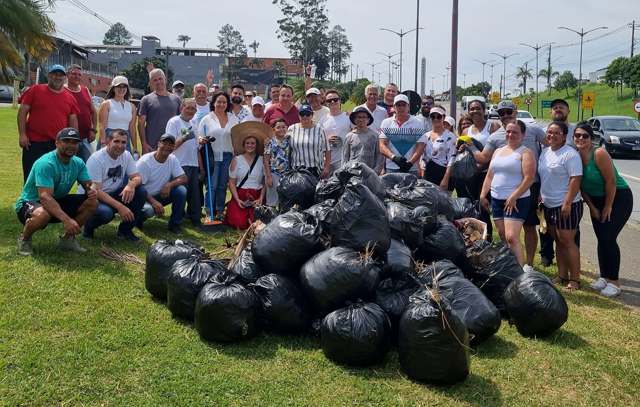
592	181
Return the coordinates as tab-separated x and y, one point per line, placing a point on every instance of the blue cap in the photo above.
57	68
305	109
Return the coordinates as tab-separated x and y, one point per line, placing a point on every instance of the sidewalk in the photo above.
629	242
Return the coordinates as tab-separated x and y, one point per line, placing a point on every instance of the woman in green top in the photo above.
610	202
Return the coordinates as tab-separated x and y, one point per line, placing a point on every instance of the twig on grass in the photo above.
120	257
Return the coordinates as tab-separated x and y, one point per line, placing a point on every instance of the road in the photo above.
629	168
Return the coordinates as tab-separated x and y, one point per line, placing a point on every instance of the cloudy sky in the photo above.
485	27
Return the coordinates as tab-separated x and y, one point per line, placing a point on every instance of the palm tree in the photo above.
524	73
25	33
184	39
549	74
254	46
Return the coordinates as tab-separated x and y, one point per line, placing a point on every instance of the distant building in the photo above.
597	76
190	65
258	73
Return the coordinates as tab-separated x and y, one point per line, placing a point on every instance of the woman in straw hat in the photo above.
116	112
246	173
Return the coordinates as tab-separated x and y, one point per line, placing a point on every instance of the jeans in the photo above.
105	213
84	150
193	194
219	171
36	150
177	198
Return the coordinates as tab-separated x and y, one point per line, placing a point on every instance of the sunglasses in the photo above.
333	100
584	136
505	112
248	95
436	116
427	103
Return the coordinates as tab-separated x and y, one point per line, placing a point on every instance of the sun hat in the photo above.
357	110
240	132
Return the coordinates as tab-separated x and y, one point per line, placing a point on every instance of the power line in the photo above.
80	5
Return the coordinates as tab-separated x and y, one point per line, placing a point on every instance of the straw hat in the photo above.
241	131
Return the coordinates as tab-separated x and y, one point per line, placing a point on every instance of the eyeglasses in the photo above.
427	103
333	100
581	135
505	112
436	116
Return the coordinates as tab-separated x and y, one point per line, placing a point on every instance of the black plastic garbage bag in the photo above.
535	306
264	213
399	259
337	275
359	170
392	295
226	311
494	267
245	267
410	225
478	314
283	308
401	179
286	243
160	258
187	278
356	335
432	341
297	187
330	188
464	168
322	212
419	193
445	242
359	220
465	208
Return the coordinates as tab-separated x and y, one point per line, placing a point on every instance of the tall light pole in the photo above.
454	58
504	71
400	34
536	48
581	33
373	79
483	64
433	88
389	56
415	86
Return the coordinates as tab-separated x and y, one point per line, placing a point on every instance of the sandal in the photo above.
560	280
573	285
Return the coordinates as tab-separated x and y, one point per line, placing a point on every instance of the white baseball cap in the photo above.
119	80
312	91
176	83
451	121
257	101
401	98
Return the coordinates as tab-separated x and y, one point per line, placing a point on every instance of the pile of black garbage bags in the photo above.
368	263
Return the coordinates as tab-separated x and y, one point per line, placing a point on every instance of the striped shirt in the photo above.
307	146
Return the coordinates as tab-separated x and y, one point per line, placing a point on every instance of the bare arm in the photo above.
417	153
383	144
73	121
23	140
51	205
132	128
103	116
484	156
142	120
605	166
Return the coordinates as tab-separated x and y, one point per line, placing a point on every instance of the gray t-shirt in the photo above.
363	147
158	110
533	138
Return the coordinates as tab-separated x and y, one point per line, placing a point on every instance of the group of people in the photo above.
218	142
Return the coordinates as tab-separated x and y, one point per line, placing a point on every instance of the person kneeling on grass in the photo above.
114	171
164	179
246	173
45	197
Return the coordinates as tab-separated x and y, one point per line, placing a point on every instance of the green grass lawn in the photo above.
607	101
82	330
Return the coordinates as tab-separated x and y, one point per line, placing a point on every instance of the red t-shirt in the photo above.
275	112
83	99
49	112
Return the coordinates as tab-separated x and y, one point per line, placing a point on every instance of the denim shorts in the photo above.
523	205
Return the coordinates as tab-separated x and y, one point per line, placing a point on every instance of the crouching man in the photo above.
113	171
164	179
45	197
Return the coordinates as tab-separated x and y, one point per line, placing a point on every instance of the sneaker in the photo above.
24	247
610	290
546	261
70	243
129	236
528	269
87	234
175	228
599	284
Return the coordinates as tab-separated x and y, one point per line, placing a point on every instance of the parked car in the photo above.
6	93
492	112
618	134
526	117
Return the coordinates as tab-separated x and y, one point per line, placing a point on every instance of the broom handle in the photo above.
206	155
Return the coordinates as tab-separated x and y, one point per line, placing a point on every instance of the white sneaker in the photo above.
528	268
599	284
610	291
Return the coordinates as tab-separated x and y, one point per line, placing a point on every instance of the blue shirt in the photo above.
49	172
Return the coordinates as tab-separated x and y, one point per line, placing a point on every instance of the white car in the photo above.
526	117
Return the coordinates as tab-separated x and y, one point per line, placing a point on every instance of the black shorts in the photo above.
68	203
532	217
554	217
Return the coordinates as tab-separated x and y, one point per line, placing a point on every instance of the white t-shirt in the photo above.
255	178
339	125
379	114
155	174
187	153
110	173
320	115
201	112
412	124
555	169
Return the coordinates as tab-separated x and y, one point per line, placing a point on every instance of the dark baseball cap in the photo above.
167	137
305	109
68	133
555	101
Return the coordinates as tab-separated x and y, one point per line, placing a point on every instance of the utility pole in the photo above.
389	56
549	70
483	64
536	48
351	69
423	76
415	86
633	39
373	79
492	66
581	33
503	81
454	58
357	70
400	34
433	87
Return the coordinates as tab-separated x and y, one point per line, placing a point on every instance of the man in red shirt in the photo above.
284	109
44	111
87	117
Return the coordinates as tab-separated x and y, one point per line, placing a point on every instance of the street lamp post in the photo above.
503	82
372	71
581	33
483	64
400	34
389	56
454	59
417	32
536	48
